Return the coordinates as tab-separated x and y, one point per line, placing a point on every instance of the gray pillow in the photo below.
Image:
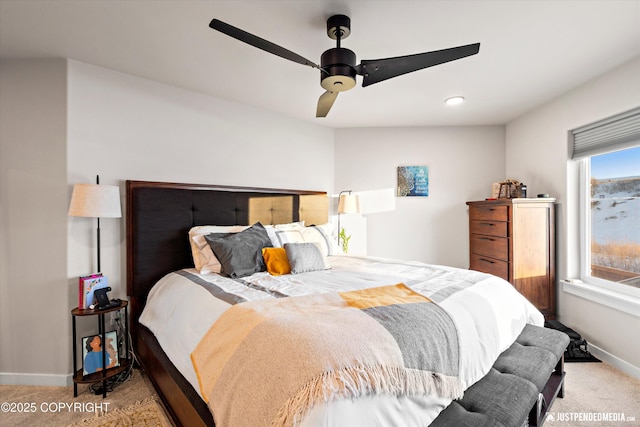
304	257
240	254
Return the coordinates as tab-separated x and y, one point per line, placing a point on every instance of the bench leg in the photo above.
538	409
560	370
554	388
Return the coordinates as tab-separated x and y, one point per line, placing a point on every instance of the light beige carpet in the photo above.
132	403
147	413
596	395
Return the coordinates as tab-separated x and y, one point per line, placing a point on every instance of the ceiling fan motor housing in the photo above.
338	72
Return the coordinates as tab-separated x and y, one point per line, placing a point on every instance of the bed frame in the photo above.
159	216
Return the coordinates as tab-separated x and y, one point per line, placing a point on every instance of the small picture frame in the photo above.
508	189
92	352
495	190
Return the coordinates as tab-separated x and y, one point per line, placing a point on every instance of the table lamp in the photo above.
347	203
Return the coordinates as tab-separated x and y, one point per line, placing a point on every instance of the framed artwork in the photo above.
413	181
92	352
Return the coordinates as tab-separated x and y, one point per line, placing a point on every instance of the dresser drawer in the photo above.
491	228
493	247
488	213
490	265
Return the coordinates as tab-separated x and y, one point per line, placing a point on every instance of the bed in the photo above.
160	269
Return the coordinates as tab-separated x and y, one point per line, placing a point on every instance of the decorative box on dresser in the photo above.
515	239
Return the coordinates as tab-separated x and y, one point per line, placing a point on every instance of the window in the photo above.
609	152
611	249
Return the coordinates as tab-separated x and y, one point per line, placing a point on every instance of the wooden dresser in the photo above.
515	239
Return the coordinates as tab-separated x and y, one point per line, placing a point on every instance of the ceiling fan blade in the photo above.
377	70
260	43
325	103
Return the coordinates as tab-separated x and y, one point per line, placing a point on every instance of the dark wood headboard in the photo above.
159	216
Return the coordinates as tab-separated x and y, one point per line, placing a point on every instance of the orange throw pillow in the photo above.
276	261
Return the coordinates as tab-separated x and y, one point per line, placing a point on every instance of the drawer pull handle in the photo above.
486	238
488	224
487	260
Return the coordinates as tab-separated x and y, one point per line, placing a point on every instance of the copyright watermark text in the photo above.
54	407
596	417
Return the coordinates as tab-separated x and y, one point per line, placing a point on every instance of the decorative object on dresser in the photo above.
515	239
509	189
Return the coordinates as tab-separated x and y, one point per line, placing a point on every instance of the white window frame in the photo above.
616	295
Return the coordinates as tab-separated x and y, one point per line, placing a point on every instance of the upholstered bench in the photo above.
520	387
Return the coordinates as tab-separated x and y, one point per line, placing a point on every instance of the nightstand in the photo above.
79	377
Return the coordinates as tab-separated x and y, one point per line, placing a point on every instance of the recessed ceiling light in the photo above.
454	100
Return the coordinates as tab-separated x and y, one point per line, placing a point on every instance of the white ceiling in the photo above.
531	51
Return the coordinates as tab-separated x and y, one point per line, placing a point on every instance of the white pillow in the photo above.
272	231
290	225
203	257
322	235
287	236
318	234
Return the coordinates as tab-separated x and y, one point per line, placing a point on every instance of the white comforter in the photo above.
488	314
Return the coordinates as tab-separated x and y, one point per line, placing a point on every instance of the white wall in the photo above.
462	161
34	314
120	127
129	128
538	152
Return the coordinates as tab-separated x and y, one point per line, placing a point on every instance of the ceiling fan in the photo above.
338	67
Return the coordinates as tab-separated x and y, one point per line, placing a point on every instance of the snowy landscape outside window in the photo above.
614	216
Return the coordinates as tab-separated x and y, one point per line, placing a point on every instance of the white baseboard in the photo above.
7	378
615	361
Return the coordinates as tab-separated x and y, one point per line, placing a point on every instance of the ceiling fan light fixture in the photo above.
454	100
338	83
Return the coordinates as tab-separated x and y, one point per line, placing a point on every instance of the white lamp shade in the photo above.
96	201
349	203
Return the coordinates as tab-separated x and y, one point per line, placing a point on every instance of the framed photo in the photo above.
413	181
495	190
92	352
